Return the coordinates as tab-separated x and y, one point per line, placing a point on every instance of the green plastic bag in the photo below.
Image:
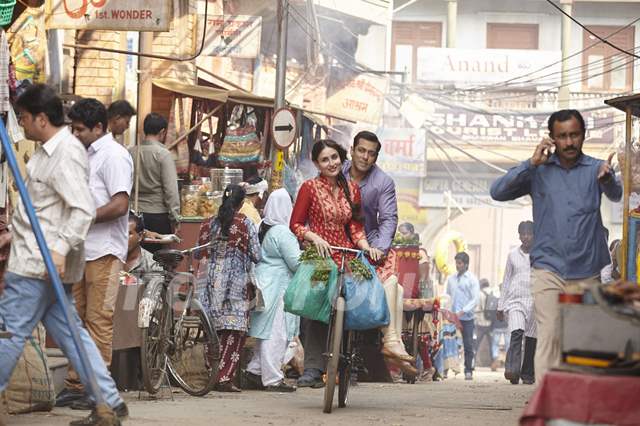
311	300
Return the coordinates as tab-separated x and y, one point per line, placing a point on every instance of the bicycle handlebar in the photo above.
345	249
196	248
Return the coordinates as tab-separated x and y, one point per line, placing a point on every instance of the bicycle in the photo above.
177	335
342	351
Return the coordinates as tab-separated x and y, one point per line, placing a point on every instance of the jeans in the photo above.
482	332
467	343
25	302
495	340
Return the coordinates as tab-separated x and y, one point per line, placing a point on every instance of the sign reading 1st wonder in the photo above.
130	15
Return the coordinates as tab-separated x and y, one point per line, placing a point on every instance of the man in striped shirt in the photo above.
516	301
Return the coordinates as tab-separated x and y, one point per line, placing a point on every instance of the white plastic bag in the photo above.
16	134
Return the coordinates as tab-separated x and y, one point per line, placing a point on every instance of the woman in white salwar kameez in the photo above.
274	328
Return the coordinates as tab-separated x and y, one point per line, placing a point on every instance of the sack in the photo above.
311	300
491	307
31	387
240	144
366	302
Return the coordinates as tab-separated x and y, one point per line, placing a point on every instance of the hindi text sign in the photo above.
235	36
361	100
403	152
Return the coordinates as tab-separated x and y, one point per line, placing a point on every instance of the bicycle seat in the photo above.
168	259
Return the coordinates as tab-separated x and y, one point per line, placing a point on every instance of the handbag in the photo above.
311	299
257	301
241	143
366	302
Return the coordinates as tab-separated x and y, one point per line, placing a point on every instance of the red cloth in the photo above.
319	211
231	344
584	398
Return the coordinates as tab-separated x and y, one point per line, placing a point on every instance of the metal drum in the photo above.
221	178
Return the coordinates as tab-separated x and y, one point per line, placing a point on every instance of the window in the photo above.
605	68
512	36
407	39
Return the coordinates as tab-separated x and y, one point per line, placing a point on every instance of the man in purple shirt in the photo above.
380	208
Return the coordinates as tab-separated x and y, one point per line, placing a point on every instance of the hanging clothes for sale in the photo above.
5	61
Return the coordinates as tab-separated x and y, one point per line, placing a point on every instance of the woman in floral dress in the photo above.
226	297
327	213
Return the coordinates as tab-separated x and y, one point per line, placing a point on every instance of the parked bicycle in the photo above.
342	353
177	336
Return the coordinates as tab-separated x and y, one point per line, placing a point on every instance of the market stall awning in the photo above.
218	95
624	102
192	90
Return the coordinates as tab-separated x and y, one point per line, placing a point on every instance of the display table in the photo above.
584	399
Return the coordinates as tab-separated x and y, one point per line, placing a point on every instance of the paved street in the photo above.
487	401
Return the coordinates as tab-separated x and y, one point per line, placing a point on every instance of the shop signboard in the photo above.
234	36
127	15
457	124
465	66
361	99
403	152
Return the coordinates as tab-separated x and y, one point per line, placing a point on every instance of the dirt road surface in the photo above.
489	400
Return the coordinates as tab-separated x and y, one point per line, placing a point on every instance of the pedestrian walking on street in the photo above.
484	316
235	247
58	183
157	181
110	181
516	303
273	327
327	213
570	248
464	290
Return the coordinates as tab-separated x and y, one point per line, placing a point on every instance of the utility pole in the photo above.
564	92
281	64
145	90
277	155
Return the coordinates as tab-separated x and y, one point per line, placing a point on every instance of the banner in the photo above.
403	152
232	36
466	191
127	15
361	99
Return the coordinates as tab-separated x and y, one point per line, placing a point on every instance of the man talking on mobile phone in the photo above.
570	247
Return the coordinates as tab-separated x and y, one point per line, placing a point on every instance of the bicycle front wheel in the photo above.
344	373
334	356
152	352
193	362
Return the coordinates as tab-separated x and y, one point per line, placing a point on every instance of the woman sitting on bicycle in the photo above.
226	298
327	213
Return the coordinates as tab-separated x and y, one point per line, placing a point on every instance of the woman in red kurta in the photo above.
326	207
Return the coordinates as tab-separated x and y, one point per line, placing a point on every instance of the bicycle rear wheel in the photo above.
334	356
344	374
153	358
193	362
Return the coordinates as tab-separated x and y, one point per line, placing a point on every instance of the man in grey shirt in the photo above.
157	185
570	247
58	183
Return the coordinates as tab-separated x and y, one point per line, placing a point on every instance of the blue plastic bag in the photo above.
366	301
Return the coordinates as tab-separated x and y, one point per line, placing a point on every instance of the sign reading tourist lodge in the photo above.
129	15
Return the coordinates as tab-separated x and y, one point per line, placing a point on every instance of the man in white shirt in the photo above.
110	181
57	181
516	301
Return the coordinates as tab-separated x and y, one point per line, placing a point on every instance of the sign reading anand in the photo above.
129	15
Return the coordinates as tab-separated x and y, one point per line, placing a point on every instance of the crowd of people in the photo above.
81	181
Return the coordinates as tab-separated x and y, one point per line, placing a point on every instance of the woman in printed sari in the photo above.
235	247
